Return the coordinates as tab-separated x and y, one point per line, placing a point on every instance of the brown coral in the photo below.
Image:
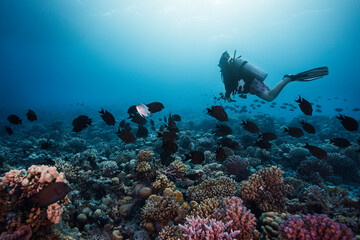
171	233
145	155
162	182
219	187
162	209
206	208
266	188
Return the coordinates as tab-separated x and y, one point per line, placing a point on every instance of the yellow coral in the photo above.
145	155
143	167
206	208
162	182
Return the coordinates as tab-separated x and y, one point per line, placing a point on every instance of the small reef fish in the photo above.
155	107
14	119
293	131
317	152
218	113
125	135
307	127
348	123
80	123
142	132
340	142
250	126
269	136
46	145
51	194
143	110
197	157
220	154
108	118
222	130
31	116
263	144
9	130
305	106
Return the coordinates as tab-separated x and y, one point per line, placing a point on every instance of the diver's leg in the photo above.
269	95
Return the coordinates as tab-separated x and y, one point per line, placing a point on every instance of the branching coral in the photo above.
209	229
314	227
266	188
219	187
172	233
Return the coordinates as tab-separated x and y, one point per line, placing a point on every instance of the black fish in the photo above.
349	123
170	147
307	127
197	157
220	154
126	136
155	107
107	117
218	112
293	131
51	194
263	143
194	175
244	96
8	130
152	122
269	136
340	142
80	123
318	106
222	130
250	126
46	145
137	118
132	111
172	125
339	109
318	110
14	119
356	109
167	136
316	151
31	116
142	132
176	117
124	125
283	107
227	142
305	106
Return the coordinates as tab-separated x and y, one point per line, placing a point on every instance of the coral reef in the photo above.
266	188
219	187
313	227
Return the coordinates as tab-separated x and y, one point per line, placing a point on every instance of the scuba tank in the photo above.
246	69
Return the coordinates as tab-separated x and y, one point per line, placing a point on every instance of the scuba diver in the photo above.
241	77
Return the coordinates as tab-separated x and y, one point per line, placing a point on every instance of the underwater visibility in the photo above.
179	120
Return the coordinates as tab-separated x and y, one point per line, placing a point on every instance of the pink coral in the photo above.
237	216
54	212
209	229
317	226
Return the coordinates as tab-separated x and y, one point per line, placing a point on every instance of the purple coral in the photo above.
237	166
317	226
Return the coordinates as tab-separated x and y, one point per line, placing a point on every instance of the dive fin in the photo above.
310	75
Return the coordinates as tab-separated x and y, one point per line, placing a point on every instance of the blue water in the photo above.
119	53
